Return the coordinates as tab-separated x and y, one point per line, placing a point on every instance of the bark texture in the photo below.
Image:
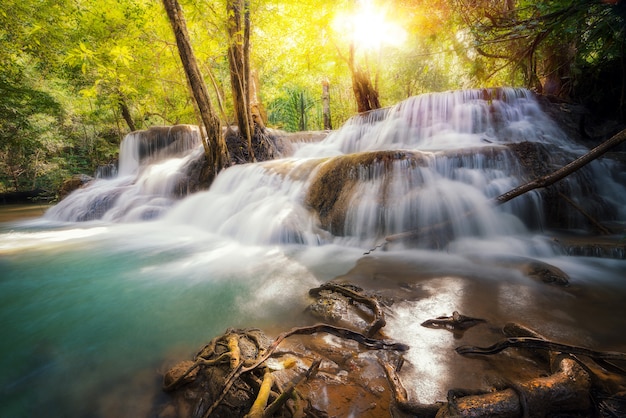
214	143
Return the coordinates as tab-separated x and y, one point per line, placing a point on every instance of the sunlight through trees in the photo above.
75	77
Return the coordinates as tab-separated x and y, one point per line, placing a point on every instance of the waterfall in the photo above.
160	268
152	174
435	159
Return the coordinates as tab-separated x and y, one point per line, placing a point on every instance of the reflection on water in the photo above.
425	285
14	212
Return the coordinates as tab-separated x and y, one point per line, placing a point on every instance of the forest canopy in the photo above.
76	76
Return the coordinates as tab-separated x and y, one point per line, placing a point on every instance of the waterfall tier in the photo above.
435	159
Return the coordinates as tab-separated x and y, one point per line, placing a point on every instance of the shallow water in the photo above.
86	307
91	312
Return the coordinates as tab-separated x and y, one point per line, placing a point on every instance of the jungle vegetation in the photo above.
76	76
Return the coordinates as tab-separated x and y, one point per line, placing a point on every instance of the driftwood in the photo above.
541	182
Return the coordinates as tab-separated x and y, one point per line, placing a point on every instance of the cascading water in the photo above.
95	304
152	174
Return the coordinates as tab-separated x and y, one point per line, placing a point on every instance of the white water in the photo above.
90	310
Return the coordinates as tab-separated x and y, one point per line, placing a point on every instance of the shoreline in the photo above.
22	211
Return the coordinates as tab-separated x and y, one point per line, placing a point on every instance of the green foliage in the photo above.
563	47
68	67
293	111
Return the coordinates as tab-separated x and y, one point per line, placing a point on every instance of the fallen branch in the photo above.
601	228
565	170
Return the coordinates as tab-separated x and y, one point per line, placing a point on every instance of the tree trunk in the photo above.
238	59
365	94
326	105
259	115
126	114
214	143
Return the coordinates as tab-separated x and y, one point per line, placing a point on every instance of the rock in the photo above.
333	188
75	182
544	272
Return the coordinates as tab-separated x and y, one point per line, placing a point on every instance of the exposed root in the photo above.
288	392
401	398
356	296
240	354
457	323
565	390
235	352
541	344
261	400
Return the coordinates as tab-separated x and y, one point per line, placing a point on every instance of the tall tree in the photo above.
214	143
239	63
365	93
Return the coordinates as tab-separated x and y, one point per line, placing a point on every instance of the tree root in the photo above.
355	295
540	344
339	332
457	323
401	398
289	390
261	400
565	390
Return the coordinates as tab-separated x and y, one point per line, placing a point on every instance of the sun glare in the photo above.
369	27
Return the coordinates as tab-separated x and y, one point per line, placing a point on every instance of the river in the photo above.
93	311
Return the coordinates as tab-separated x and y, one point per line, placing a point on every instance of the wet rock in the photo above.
347	306
544	272
348	381
333	187
75	182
